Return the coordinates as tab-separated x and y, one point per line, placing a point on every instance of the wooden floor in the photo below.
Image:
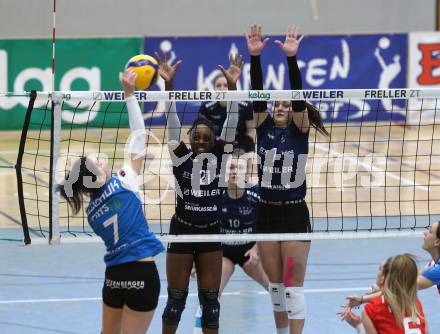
377	169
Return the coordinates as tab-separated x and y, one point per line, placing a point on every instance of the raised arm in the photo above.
290	49
136	148
232	74
255	45
167	72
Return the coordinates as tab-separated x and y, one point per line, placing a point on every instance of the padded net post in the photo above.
54	223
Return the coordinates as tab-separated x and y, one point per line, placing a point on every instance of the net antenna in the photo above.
54	12
54	230
314	8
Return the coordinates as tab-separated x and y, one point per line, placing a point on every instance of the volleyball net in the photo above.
376	175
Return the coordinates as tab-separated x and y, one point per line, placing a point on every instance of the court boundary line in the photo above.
16	221
234	293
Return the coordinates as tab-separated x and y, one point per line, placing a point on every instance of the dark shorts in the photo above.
285	218
177	228
235	253
135	284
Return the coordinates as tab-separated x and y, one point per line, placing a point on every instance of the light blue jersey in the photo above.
115	214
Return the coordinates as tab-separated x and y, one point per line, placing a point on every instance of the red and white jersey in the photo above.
383	319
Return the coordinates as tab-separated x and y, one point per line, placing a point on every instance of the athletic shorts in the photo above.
178	227
135	284
235	253
283	218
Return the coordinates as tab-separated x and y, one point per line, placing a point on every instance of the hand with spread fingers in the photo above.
292	41
233	72
167	71
255	41
352	319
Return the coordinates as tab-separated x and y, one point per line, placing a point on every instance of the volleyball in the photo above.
146	68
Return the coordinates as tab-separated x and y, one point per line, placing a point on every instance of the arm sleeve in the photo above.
137	126
202	109
257	82
173	122
179	153
295	82
231	122
247	112
264	127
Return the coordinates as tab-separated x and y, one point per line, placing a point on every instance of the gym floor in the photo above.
56	289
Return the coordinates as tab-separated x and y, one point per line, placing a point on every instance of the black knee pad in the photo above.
210	308
175	306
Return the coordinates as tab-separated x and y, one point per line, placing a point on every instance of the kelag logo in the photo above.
259	95
81	64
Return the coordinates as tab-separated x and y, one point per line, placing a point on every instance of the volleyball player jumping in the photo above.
282	144
196	170
131	288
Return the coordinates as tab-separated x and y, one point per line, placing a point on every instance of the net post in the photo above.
27	119
54	221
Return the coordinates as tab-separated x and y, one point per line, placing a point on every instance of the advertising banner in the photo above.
326	62
81	64
423	72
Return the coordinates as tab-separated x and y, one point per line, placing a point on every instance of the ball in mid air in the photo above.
147	70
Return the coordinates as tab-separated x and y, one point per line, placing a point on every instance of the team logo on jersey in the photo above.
245	210
187	175
114	205
224	210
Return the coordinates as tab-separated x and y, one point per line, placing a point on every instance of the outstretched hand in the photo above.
292	41
353	301
255	41
352	319
128	79
233	72
167	71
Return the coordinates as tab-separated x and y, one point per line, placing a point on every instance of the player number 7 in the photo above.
113	220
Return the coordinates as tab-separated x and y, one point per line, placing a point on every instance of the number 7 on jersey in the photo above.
113	220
